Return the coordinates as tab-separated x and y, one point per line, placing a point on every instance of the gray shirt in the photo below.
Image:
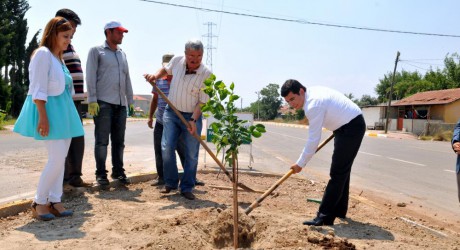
107	76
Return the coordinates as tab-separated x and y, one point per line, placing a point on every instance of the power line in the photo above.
425	63
414	65
301	21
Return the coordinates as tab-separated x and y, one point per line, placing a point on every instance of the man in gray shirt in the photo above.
109	95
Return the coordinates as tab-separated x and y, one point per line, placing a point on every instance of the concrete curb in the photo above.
373	134
17	207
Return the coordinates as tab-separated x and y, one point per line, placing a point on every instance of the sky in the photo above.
254	52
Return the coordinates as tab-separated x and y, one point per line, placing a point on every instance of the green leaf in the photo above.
232	86
261	129
234	98
223	94
256	134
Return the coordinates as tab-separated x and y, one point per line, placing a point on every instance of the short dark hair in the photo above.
69	15
293	86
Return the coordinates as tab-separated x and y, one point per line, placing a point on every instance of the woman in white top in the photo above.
49	114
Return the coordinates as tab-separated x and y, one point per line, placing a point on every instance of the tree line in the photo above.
14	55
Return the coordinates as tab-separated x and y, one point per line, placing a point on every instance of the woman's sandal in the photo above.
44	217
56	212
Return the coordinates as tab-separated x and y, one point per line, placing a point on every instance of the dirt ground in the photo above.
139	217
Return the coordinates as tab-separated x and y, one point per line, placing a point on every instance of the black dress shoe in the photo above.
158	182
188	195
122	179
166	190
320	221
198	183
102	180
79	183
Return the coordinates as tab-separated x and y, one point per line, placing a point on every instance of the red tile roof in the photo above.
285	109
444	96
139	98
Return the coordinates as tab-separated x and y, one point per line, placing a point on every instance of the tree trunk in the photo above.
235	201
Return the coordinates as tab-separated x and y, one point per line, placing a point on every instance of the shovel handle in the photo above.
269	191
198	137
280	181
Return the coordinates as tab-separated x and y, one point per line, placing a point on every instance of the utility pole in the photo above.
209	46
258	105
391	92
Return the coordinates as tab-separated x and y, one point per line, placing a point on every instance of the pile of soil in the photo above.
140	217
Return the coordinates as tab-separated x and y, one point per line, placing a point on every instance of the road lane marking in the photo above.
418	164
451	171
369	154
283	159
284	135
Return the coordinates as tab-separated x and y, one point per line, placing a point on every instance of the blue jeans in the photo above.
111	121
173	131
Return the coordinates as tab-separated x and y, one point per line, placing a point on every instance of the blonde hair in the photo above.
53	27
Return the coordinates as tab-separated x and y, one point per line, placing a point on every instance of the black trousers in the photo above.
347	140
74	159
157	135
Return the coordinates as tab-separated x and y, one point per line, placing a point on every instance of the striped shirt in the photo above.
163	85
73	63
186	91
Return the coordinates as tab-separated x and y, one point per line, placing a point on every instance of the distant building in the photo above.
141	104
285	110
427	112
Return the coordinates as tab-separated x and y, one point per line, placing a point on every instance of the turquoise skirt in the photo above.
64	121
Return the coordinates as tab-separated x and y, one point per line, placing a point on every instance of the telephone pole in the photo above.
391	92
209	46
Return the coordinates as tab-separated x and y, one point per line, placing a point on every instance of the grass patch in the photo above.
440	136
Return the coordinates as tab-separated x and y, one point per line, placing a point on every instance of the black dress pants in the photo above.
74	159
347	140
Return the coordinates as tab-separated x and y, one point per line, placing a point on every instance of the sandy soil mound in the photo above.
139	217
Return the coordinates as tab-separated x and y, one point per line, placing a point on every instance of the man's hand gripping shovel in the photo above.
198	137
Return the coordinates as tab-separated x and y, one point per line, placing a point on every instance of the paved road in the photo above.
405	170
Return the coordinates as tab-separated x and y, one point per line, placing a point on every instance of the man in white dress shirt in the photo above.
328	108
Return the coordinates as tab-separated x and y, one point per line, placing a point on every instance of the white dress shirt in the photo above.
328	108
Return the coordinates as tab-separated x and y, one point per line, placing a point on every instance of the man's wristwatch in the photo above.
192	119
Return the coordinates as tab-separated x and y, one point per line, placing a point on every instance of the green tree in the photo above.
367	100
383	88
299	114
452	70
16	52
270	102
5	40
438	79
33	45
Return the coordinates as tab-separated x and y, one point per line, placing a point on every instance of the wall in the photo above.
452	112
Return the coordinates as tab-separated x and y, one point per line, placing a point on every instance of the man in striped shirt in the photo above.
74	159
186	94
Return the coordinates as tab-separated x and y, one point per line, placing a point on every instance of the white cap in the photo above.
115	25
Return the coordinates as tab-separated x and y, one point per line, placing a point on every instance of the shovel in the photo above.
280	181
205	146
